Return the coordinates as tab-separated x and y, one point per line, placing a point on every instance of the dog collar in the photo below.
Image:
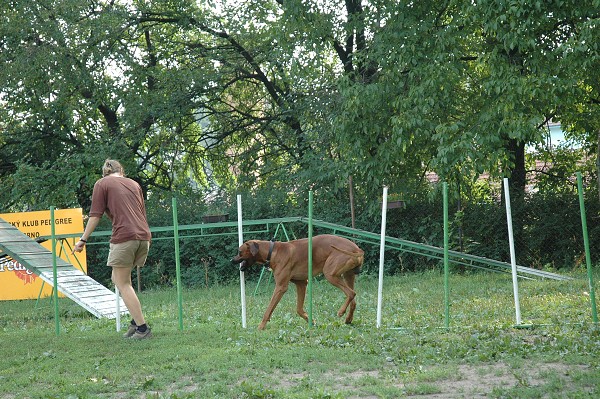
271	246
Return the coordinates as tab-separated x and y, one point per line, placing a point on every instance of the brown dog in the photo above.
338	258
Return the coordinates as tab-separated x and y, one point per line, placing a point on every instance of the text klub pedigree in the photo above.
41	222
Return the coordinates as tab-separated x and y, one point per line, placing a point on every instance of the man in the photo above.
121	199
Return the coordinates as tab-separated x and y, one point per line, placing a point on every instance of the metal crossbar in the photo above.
433	252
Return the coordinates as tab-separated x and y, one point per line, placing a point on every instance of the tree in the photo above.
287	93
82	82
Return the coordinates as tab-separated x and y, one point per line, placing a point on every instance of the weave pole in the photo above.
242	275
381	255
446	268
586	244
513	260
54	270
310	259
177	263
118	309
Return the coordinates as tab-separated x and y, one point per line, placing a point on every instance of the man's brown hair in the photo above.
111	166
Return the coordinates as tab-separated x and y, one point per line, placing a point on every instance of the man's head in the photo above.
111	166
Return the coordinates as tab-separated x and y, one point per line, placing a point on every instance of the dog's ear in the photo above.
253	248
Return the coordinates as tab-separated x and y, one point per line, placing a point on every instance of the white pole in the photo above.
242	278
118	307
381	255
511	242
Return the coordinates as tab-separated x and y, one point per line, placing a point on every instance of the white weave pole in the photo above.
381	255
242	278
118	307
513	260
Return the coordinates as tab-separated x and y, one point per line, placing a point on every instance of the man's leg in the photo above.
121	277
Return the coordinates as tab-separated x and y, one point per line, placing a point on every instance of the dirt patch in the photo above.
437	382
481	380
469	381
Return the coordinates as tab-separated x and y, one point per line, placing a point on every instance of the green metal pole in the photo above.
446	269
586	244
310	263
54	270
177	263
262	272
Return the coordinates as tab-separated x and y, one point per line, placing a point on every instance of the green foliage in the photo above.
287	95
274	99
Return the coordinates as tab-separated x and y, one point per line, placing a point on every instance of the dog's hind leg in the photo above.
341	284
300	295
335	270
350	276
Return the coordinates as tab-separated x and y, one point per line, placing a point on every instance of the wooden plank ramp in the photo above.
72	282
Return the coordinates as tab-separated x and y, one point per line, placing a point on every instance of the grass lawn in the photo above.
482	354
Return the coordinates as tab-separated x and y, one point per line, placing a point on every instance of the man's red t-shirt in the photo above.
123	199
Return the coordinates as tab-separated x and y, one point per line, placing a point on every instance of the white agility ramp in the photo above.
71	282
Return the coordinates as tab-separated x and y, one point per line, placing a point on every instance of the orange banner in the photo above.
16	282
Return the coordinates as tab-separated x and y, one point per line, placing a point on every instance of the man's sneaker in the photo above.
130	331
142	335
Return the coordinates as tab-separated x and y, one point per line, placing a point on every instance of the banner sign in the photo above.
16	282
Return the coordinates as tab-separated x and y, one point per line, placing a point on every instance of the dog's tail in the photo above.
354	254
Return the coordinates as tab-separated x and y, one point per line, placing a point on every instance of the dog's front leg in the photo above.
300	295
277	294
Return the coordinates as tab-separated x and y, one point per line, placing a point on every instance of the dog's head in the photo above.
246	256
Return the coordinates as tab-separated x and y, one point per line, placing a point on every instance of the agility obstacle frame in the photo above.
444	254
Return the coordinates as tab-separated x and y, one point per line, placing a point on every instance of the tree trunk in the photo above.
518	178
598	160
351	200
517	183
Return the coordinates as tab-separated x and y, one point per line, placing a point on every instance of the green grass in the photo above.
410	355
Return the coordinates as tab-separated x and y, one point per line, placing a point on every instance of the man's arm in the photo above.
89	229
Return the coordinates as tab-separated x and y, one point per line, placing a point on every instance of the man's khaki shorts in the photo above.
128	254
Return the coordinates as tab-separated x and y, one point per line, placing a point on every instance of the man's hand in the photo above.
78	247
